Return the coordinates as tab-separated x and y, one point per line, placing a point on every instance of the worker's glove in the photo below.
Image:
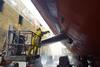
48	31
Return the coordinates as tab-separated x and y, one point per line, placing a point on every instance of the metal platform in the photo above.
15	58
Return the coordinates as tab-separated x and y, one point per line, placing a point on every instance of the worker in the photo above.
20	42
36	42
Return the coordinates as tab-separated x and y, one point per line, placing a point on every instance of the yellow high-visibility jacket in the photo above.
35	43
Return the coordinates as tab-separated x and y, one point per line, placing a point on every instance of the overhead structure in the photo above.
78	19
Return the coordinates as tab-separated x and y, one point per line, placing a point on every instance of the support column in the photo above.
57	38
